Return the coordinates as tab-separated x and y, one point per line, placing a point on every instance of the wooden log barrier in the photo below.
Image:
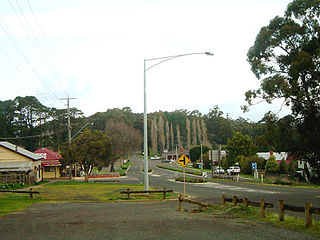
308	214
234	200
245	203
263	208
281	210
30	192
164	191
223	200
182	199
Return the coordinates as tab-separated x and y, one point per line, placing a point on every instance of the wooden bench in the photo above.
164	191
21	191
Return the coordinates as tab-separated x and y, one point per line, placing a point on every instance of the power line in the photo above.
54	74
33	136
16	46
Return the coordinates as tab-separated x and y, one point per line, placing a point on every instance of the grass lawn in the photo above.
254	214
71	191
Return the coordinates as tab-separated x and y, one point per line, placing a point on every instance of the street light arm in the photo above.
164	59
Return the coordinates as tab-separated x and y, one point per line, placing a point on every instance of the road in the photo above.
212	191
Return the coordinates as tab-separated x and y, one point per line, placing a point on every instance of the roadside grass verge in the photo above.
181	170
254	214
14	203
72	191
265	182
191	180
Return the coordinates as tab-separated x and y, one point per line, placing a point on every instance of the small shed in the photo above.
19	164
50	163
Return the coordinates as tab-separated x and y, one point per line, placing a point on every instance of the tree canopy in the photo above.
91	148
239	145
286	59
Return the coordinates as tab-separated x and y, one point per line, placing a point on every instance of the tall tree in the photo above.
188	133
194	132
200	140
285	58
172	136
92	148
167	135
154	135
124	138
239	146
161	134
204	133
178	136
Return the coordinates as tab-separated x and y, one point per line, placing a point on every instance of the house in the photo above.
19	161
176	154
50	163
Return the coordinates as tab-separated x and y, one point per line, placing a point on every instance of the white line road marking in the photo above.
232	188
155	175
226	187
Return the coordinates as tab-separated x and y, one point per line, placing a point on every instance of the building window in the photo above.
49	169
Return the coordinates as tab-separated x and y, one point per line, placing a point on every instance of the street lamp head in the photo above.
209	53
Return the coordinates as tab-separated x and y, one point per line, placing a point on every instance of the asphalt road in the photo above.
213	191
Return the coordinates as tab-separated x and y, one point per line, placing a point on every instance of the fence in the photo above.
17	178
307	209
21	191
164	192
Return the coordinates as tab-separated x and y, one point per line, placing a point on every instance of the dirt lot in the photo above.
153	220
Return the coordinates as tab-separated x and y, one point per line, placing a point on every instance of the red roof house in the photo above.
50	162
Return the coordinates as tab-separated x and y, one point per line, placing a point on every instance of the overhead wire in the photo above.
46	58
37	45
30	37
5	29
45	40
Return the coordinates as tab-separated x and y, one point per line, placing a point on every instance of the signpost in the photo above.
183	161
255	171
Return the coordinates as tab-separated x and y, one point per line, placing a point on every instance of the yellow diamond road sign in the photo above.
183	160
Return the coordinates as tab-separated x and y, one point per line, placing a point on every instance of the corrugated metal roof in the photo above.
278	156
19	166
20	150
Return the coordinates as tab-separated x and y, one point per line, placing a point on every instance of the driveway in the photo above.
131	220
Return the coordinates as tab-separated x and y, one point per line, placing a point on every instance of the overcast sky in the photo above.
94	51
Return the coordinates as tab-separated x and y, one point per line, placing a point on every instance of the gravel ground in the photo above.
131	220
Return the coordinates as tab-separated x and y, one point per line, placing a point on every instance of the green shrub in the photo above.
11	185
191	180
272	165
283	167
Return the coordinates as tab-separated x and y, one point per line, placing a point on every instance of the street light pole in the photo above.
145	133
145	120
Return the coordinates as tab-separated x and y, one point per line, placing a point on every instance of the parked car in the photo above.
233	170
219	170
155	158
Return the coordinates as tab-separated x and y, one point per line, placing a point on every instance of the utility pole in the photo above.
69	128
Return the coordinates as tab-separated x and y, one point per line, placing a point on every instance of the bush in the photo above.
191	180
246	163
293	165
283	167
272	165
11	185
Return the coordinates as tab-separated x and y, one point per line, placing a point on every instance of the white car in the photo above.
233	170
219	170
